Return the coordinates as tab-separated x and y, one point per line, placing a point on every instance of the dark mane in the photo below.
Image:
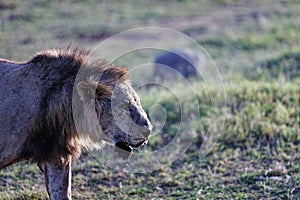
61	64
64	63
60	55
54	134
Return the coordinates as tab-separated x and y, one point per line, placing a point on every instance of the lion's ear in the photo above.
88	91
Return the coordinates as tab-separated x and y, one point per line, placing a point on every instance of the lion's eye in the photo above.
136	99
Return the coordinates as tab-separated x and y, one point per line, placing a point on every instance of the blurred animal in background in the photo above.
172	63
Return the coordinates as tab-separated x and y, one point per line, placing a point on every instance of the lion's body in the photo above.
37	116
32	96
18	83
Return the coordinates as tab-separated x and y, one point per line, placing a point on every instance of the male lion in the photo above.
41	121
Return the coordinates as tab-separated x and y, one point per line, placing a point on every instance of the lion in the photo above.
60	102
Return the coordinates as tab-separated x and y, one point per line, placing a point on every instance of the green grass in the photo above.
255	45
255	156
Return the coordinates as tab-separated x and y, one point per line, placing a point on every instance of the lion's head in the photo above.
113	112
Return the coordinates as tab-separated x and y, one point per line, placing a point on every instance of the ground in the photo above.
255	45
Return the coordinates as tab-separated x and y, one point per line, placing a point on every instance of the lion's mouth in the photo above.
125	149
130	146
124	146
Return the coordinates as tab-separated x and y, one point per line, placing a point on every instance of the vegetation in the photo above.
255	46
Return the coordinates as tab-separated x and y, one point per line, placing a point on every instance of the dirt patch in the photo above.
21	17
94	37
7	6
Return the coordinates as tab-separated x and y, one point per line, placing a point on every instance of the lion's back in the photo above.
20	96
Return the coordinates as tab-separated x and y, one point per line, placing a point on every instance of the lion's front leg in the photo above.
58	178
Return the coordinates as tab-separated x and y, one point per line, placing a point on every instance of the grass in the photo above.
255	46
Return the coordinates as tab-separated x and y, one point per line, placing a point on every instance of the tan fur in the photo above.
38	120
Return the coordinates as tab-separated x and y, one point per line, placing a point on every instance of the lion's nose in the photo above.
146	134
149	126
144	122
